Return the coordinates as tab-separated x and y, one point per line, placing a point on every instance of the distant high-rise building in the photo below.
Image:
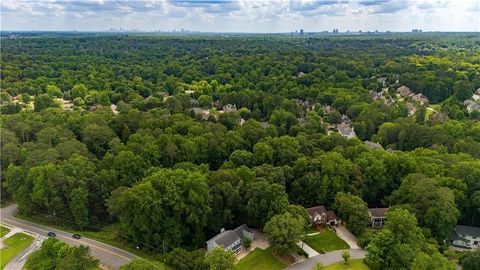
301	31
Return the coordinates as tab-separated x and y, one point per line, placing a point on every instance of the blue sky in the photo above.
241	15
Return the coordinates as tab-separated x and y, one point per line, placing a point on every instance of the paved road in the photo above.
108	255
327	259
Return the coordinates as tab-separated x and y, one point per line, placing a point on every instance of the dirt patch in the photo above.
285	258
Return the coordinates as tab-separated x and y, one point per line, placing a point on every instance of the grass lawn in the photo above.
3	230
14	244
260	259
357	264
108	234
325	241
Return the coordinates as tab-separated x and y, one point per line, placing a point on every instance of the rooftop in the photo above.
467	230
378	212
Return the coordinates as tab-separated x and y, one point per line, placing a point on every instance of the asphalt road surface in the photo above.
108	255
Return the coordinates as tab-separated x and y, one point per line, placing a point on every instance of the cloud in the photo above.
373	2
239	15
209	6
297	5
432	4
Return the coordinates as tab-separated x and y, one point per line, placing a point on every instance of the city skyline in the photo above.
241	15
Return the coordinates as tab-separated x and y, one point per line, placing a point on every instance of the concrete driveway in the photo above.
347	236
311	252
21	258
327	259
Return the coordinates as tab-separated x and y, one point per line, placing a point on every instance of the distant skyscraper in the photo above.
301	31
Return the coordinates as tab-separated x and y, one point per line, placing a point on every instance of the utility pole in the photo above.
54	218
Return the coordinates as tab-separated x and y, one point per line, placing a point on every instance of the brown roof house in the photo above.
231	239
438	118
320	216
420	98
378	216
404	91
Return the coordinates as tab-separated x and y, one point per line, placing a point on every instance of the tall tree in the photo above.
284	231
219	259
353	210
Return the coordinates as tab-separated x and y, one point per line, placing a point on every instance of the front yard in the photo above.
13	245
260	259
325	241
357	264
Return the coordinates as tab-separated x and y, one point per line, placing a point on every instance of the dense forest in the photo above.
178	137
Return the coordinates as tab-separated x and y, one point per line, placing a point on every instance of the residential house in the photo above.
164	94
231	239
373	145
439	118
204	113
319	216
345	130
264	124
229	108
67	105
346	119
404	91
328	109
304	103
465	236
389	101
300	74
382	80
411	108
471	105
194	103
378	216
420	98
375	95
114	109
217	105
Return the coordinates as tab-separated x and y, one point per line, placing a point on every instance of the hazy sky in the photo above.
242	15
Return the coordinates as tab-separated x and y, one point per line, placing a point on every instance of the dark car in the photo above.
51	234
76	236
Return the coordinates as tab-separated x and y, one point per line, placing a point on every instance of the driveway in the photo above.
259	242
347	236
327	259
311	252
108	255
19	260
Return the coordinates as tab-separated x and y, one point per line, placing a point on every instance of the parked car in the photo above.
76	236
51	234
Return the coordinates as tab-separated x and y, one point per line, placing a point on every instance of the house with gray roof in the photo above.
373	145
345	130
465	236
231	239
